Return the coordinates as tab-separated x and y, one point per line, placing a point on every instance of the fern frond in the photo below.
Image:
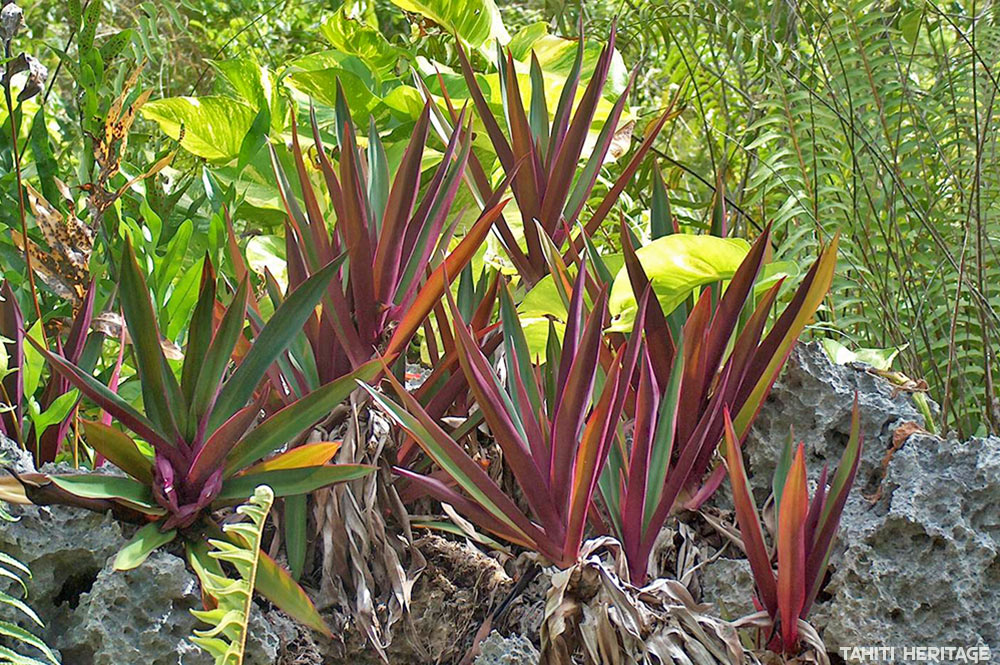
226	639
17	572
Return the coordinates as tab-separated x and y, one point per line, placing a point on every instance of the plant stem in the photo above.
20	188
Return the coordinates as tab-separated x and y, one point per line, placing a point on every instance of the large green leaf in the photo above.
214	126
321	85
676	264
476	22
354	31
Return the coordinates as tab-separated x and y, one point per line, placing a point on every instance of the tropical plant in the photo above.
542	158
554	426
869	118
41	422
392	232
805	531
206	451
233	598
721	359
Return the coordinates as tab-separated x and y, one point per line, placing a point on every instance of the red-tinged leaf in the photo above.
778	344
588	176
438	490
329	174
200	331
843	480
437	282
424	230
749	522
402	197
572	408
816	505
161	395
574	324
212	456
109	401
12	329
497	138
311	454
288	423
505	422
661	345
276	584
614	194
697	376
119	449
289	482
529	177
735	298
571	147
217	358
286	322
634	505
585	466
447	454
353	222
564	107
317	225
791	550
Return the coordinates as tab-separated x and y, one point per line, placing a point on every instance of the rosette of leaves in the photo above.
202	447
804	537
554	424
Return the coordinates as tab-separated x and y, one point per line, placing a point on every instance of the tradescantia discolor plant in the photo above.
562	424
805	532
200	445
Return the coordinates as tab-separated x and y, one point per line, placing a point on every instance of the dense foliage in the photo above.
557	246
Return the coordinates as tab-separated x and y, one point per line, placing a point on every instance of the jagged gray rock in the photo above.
15	457
499	650
922	566
814	397
919	567
97	616
65	548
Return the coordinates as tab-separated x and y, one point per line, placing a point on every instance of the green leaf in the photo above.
876	358
161	396
255	138
352	33
119	449
289	422
321	85
287	322
476	22
289	482
115	44
143	543
675	264
274	583
296	532
31	371
94	486
214	127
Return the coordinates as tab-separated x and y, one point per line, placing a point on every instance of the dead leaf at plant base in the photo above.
591	612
